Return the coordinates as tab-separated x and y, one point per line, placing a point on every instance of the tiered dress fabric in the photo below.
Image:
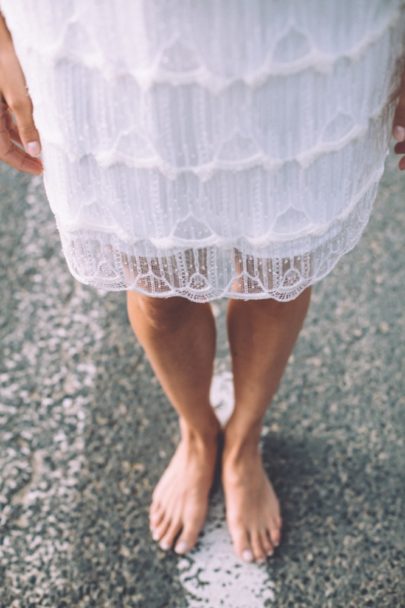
210	148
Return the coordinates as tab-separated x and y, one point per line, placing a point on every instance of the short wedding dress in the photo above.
210	148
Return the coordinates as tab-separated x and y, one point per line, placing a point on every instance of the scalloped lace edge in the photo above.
289	284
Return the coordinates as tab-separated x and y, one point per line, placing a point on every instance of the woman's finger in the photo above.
399	133
21	106
15	136
20	160
15	94
398	125
400	148
13	155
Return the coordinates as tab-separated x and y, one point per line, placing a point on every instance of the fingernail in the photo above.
270	552
399	133
181	547
155	535
33	148
247	555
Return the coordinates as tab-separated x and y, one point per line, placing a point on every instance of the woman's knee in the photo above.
165	314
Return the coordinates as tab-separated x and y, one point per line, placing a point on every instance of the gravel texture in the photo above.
86	430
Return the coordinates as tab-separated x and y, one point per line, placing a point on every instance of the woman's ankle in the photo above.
241	440
204	435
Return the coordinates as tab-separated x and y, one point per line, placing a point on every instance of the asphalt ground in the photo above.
86	431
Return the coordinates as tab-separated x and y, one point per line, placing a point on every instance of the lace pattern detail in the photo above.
208	273
210	149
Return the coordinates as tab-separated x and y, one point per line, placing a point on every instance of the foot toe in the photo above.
160	530
247	555
156	509
189	535
241	541
168	539
259	553
266	542
275	534
155	516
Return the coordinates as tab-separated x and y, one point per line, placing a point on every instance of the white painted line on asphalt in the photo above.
214	576
211	574
222	395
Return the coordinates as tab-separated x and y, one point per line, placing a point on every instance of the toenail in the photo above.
262	560
181	546
247	555
155	535
164	545
270	552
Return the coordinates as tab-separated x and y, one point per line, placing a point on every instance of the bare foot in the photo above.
252	508
180	499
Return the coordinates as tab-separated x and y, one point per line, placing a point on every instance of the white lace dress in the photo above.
210	148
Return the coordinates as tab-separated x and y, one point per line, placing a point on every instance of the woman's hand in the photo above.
398	128
19	138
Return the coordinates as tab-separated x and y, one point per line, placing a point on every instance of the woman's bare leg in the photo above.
262	334
178	337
